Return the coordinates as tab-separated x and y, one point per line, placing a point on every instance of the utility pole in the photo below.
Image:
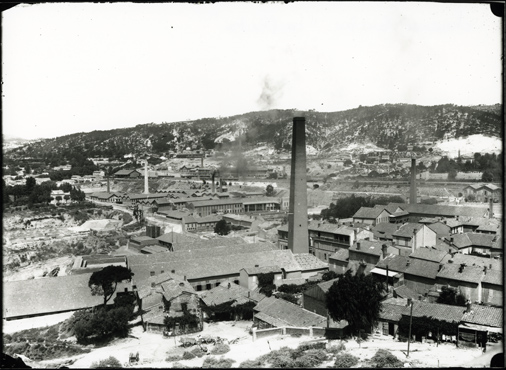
410	302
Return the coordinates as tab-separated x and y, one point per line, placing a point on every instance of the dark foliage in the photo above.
355	298
421	326
451	296
265	283
383	358
347	207
104	282
329	275
222	228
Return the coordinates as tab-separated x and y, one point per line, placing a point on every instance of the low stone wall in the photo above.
288	330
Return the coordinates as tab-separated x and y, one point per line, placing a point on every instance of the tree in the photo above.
30	185
101	282
58	199
329	275
269	190
66	197
355	298
487	176
451	297
222	228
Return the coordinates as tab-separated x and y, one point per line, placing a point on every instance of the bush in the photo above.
173	358
218	363
188	355
290	288
311	358
384	358
345	360
251	364
199	352
289	297
220	349
337	348
108	362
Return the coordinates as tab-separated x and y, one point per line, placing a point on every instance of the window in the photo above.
208	286
325	256
199	288
184	306
152	273
152	285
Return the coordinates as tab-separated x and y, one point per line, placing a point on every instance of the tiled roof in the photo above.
481	240
229	292
279	312
263	200
195	244
173	237
368	212
384	230
391	312
154	249
484	315
218	261
404	292
174	288
440	229
407	229
429	254
497	243
217	202
342	254
395	263
493	277
489	227
174	214
426	269
48	295
471	274
471	260
143	238
436	310
125	172
431	210
368	247
147	196
309	262
325	285
329	228
429	220
262	270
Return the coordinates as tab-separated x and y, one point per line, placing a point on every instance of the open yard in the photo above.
154	349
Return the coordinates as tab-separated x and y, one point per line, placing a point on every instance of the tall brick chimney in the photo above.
412	190
298	240
146	188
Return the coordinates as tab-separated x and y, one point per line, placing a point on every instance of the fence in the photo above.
288	330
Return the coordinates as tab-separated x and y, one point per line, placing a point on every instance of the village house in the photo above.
492	287
248	277
338	262
466	279
364	255
472	243
168	297
479	321
127	174
207	223
59	196
411	236
255	205
235	296
272	312
209	207
371	215
483	192
243	221
419	211
384	231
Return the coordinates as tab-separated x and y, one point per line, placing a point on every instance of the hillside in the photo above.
386	126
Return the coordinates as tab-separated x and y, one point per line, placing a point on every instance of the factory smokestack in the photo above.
146	188
412	191
297	213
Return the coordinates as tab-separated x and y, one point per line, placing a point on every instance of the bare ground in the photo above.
154	348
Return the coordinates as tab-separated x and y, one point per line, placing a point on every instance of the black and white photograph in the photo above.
253	184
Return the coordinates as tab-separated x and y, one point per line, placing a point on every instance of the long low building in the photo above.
46	296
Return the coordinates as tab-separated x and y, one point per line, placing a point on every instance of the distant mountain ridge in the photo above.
386	126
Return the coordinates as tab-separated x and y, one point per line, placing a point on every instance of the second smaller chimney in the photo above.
358	246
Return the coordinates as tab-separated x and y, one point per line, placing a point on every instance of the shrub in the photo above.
220	349
218	363
188	355
310	358
178	365
384	358
173	358
282	360
345	360
290	288
335	349
289	297
108	362
197	351
251	364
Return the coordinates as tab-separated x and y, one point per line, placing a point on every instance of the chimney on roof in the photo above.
490	266
408	262
410	302
485	270
181	284
358	246
468	306
440	267
462	266
384	249
257	265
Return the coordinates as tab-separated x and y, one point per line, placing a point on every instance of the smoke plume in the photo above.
271	91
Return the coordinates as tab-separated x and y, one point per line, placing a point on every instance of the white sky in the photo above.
82	67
